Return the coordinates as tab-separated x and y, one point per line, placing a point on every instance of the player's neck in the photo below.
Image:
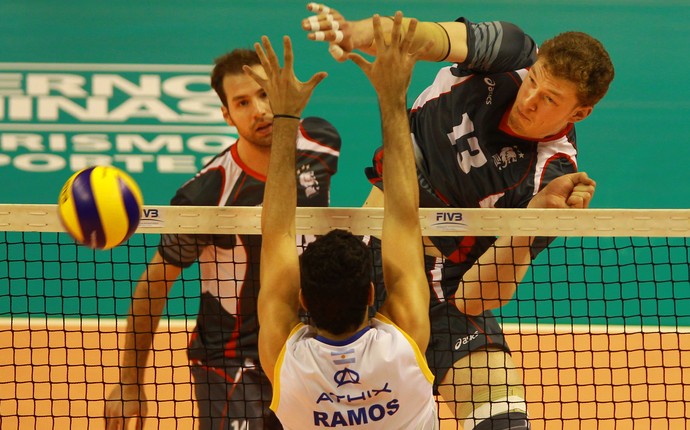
342	336
254	156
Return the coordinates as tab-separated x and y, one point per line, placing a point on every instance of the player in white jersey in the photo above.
346	369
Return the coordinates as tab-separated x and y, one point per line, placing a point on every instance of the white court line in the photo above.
107	67
93	324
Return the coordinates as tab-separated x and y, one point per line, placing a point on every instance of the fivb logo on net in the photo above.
139	117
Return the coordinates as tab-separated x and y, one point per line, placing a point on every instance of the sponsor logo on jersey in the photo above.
353	397
307	180
465	340
507	156
490	85
354	415
346	376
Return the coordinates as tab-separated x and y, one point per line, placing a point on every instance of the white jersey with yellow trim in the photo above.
376	379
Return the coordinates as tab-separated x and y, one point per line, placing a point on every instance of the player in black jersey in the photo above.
231	389
495	129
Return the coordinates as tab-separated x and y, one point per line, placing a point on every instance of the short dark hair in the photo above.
335	273
582	60
231	64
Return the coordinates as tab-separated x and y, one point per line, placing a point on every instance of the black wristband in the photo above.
282	115
447	41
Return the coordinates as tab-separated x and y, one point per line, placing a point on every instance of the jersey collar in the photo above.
504	127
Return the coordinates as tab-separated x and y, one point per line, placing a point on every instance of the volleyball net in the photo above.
599	327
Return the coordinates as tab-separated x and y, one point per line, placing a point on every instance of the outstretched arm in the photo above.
494	277
490	47
346	36
278	302
403	261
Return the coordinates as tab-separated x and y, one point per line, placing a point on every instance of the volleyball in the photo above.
100	206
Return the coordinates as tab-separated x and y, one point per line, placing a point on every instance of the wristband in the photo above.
282	115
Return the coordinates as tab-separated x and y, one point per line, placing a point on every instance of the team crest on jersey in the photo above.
308	181
346	376
507	156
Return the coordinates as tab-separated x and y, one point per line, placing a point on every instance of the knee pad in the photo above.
507	421
498	408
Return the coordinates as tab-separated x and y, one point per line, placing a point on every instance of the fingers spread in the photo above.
288	58
270	54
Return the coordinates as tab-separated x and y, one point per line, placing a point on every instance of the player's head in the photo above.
572	73
581	59
245	104
230	64
336	281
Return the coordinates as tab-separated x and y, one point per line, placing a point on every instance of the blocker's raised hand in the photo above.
288	95
391	71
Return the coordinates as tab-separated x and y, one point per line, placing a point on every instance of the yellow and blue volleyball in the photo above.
100	206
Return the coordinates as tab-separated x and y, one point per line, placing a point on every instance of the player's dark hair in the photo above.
336	277
582	60
231	64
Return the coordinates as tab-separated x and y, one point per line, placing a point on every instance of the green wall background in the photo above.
636	144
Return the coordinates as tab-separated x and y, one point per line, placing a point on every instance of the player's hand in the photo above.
391	71
574	190
288	96
125	405
329	25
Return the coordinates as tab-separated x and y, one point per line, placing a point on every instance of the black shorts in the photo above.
455	335
231	398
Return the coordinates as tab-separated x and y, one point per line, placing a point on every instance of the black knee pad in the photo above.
507	421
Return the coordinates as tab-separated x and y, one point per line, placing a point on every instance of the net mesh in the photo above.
599	328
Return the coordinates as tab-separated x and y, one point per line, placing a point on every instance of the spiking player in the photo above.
495	129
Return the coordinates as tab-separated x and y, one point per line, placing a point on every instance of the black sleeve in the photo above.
203	190
322	131
495	47
326	135
183	250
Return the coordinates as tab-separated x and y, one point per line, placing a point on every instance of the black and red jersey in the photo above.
227	324
468	158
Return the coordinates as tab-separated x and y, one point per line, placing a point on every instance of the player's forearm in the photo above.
402	191
402	251
148	302
494	277
278	255
280	195
449	38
